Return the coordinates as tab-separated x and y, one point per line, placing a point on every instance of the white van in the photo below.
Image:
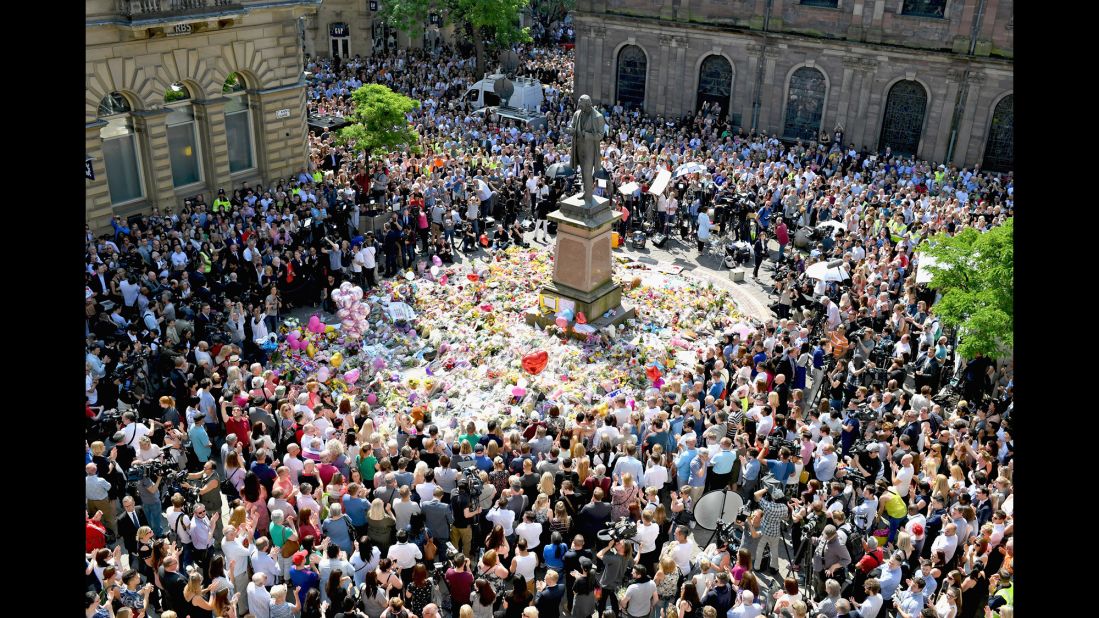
528	93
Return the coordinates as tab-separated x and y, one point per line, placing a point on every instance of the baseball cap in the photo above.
479	448
299	557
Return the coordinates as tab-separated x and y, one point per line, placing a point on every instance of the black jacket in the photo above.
128	531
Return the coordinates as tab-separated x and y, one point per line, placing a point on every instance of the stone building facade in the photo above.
184	97
351	27
932	78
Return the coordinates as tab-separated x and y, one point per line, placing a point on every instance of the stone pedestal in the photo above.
582	265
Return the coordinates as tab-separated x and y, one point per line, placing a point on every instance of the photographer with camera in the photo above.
830	558
464	503
776	512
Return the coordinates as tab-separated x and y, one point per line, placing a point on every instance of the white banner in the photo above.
661	182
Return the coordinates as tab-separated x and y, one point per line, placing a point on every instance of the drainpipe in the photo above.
756	101
963	90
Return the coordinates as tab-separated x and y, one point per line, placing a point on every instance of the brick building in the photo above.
925	77
187	96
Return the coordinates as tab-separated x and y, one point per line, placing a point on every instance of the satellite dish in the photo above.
503	89
509	61
717	506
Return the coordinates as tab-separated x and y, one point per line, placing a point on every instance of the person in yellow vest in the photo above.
892	506
1004	594
221	203
318	177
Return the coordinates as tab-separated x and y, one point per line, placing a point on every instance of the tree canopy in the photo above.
496	19
379	121
975	272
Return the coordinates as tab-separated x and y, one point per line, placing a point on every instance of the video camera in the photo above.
621	530
470	483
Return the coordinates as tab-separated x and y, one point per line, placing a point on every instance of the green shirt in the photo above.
471	438
366	466
279	534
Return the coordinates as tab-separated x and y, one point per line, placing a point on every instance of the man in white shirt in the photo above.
502	516
947	542
530	530
237	557
292	462
259	600
746	607
133	431
682	549
902	477
404	554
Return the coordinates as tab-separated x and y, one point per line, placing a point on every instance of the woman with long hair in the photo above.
372	597
365	560
491	570
497	541
335	589
547	486
197	605
311	606
380	525
483	600
518	598
689	604
254	495
585	581
623	494
419	590
560	523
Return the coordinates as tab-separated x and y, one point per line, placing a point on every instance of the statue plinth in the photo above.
582	265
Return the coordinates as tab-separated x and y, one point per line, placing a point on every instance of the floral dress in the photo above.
421	597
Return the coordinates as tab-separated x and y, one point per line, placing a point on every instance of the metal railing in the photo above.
144	9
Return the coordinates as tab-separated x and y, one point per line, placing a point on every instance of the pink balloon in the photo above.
352	376
379	362
518	391
372	399
323	374
562	323
436	260
442	280
315	324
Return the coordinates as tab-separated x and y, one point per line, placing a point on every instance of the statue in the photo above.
587	131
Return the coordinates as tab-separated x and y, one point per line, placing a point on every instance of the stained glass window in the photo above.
715	83
804	104
632	68
904	114
1000	148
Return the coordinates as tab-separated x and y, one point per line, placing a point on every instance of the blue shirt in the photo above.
889	580
818	358
723	461
356	509
780	469
200	441
305	579
698	473
683	465
751	471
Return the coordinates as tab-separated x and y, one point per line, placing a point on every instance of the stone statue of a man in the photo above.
587	131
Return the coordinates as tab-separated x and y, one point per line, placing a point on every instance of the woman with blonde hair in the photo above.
623	494
583	469
197	605
492	571
380	525
941	487
667	580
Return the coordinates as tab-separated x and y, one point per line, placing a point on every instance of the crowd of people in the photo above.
215	488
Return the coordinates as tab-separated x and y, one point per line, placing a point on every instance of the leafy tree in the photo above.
379	121
975	272
553	10
480	20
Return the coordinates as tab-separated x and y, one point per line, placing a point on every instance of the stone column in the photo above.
283	140
657	99
97	196
682	101
210	115
962	155
596	50
152	134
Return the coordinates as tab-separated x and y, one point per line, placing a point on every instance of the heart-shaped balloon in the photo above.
352	376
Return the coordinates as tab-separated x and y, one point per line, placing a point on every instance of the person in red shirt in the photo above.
95	533
326	470
240	426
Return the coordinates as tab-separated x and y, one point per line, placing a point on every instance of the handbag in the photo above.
289	546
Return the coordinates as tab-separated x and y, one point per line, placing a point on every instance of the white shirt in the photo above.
531	532
504	517
406	554
362	567
148	454
948	545
871	606
262	562
233	550
904	480
646	537
656	476
133	432
682	553
259	601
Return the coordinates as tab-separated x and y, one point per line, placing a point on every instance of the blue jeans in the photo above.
894	525
156	519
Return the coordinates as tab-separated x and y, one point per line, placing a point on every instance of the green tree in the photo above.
975	272
553	10
379	121
479	19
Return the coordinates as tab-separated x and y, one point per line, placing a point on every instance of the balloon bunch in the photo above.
353	311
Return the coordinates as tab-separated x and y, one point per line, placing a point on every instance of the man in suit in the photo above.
759	252
172	583
332	161
550	593
437	515
128	522
593	517
927	369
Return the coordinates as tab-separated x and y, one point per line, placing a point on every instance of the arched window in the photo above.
1000	147
902	125
120	150
715	84
632	68
182	136
804	104
238	125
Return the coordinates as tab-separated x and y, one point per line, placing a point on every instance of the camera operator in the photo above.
466	510
775	513
830	558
